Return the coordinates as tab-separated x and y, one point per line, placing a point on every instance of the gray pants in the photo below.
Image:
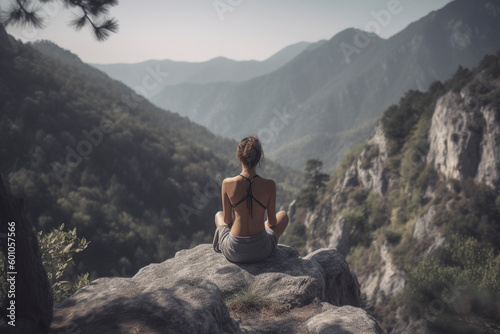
245	249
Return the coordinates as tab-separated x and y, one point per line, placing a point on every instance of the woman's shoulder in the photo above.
231	178
238	178
269	182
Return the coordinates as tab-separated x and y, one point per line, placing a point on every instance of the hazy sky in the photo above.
198	30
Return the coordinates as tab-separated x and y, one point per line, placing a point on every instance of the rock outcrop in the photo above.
336	320
369	170
339	235
190	292
387	280
464	139
371	165
425	229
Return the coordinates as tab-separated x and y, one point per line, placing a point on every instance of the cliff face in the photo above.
199	291
419	174
464	140
369	170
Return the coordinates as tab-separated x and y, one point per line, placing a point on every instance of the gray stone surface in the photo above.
123	305
375	177
339	235
425	229
284	277
343	320
186	294
464	139
455	137
342	287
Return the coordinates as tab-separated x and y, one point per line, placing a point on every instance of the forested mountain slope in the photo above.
139	182
328	97
417	208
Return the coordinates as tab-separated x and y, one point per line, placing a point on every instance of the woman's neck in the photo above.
248	171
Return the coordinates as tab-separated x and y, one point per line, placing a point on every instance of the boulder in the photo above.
124	305
339	235
285	277
425	229
464	138
342	320
189	293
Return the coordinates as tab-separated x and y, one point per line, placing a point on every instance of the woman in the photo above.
242	235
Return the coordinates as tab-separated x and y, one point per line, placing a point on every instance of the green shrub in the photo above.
347	160
58	248
378	210
295	236
464	277
358	225
246	301
307	197
392	236
371	152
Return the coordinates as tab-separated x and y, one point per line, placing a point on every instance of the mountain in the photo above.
329	96
416	209
85	151
214	70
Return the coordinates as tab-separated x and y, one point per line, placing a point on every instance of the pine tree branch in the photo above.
20	14
93	14
93	10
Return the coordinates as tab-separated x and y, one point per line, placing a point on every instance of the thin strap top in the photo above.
249	197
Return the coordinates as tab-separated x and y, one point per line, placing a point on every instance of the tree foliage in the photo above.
313	174
93	13
58	248
315	181
463	278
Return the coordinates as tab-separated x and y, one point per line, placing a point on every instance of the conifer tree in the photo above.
93	13
313	174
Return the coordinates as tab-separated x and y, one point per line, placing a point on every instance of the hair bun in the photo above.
249	151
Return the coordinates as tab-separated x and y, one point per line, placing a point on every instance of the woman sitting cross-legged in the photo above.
242	235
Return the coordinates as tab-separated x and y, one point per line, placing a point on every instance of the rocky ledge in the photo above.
199	291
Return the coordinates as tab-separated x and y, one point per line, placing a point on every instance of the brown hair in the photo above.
249	151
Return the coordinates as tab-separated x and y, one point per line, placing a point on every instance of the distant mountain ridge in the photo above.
318	104
213	70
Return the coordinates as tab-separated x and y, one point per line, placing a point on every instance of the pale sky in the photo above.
199	30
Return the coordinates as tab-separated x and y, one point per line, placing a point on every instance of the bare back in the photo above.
245	224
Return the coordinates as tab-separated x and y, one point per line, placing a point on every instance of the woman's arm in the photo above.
226	205
271	205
